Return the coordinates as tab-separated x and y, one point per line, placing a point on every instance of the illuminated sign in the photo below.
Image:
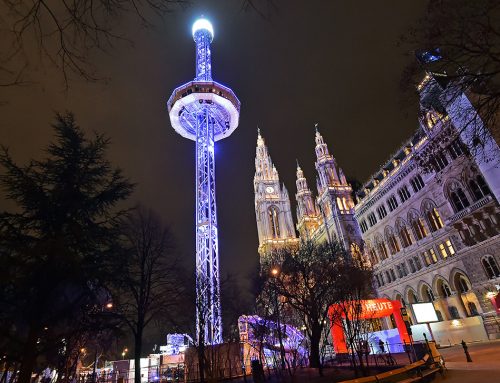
424	312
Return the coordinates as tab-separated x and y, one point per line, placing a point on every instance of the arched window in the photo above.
417	225
453	312
373	256
479	188
472	309
463	285
457	197
274	221
490	267
412	297
427	294
404	233
391	240
339	204
432	215
344	202
444	289
381	249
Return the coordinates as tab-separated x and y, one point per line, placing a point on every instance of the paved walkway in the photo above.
485	366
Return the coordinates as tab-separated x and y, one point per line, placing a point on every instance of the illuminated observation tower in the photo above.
205	111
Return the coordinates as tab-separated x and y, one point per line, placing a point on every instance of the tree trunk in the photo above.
29	356
315	358
137	354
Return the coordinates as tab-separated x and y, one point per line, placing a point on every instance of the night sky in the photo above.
337	63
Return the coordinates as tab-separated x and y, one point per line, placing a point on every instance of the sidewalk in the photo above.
485	366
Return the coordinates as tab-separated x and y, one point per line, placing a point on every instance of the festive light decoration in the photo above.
205	111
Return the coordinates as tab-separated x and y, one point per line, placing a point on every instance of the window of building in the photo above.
439	162
364	226
372	219
381	211
417	183
418	264
429	294
380	280
373	256
392	202
405	270
404	234
340	206
458	198
429	256
442	250
400	271
388	275
445	290
463	285
456	148
490	267
418	227
449	247
392	241
479	188
453	312
433	255
382	250
274	221
404	194
412	265
434	219
472	309
393	275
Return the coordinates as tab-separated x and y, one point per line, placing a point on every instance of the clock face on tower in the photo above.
269	189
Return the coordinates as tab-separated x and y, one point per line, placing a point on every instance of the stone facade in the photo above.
430	216
327	217
428	220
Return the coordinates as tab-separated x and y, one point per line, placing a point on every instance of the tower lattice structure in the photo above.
205	111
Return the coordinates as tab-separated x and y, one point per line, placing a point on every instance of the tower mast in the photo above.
205	111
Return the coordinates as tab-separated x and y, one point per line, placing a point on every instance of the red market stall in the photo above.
370	309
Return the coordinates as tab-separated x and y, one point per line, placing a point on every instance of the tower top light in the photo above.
203	24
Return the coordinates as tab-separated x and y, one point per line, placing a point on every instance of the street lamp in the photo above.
275	272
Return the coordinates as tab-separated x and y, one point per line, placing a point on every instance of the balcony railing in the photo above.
468	210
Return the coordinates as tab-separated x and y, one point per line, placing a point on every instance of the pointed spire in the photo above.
260	140
298	166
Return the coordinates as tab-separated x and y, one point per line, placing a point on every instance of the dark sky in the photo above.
337	63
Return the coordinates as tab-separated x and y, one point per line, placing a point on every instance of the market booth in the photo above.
364	310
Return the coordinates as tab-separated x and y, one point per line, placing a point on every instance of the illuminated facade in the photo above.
205	111
272	204
327	217
430	216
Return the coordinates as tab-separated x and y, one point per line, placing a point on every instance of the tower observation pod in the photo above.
205	111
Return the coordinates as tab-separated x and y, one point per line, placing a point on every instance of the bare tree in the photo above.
306	279
353	286
457	41
65	33
150	287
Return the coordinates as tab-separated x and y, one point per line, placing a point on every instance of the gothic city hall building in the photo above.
428	220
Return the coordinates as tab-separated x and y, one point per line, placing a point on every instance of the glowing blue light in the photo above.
203	24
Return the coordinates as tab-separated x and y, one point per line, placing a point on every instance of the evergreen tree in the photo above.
57	247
